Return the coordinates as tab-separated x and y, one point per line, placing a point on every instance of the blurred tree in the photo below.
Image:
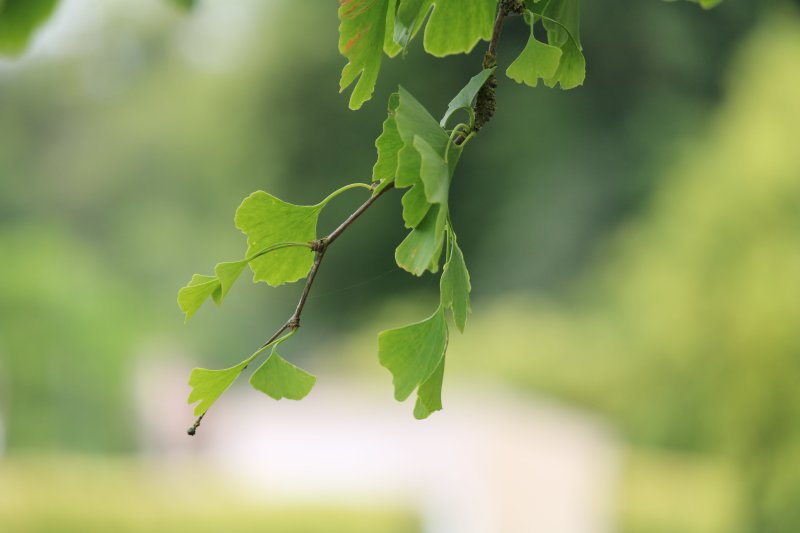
687	333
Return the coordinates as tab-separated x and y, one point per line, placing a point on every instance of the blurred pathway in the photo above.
491	462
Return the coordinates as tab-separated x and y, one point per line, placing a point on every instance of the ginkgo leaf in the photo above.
429	394
425	164
415	205
362	30
466	96
456	26
388	144
454	285
412	353
192	296
267	221
412	120
227	274
407	22
208	385
200	287
537	60
434	173
571	69
422	247
19	19
369	27
278	378
393	147
562	21
407	119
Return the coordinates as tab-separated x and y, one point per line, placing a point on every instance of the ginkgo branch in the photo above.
409	129
272	342
485	103
319	246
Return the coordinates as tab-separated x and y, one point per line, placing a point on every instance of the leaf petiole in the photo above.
272	344
554	21
460	131
275	247
337	192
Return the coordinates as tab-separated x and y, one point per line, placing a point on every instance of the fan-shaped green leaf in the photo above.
571	69
278	378
412	120
208	385
434	173
192	296
425	163
388	144
537	60
454	286
415	205
562	33
429	394
456	26
409	19
227	274
362	30
422	247
412	353
397	156
562	21
267	221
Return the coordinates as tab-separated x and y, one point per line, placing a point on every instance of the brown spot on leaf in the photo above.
352	41
352	8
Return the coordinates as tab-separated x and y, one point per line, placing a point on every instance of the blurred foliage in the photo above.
686	332
184	4
678	493
38	495
66	325
18	20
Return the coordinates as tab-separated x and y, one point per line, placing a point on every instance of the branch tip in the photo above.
193	429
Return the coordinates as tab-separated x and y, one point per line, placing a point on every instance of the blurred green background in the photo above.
634	245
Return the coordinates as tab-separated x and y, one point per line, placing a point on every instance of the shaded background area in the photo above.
633	246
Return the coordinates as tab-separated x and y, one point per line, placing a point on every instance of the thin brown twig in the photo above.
294	320
502	12
485	102
319	246
357	213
